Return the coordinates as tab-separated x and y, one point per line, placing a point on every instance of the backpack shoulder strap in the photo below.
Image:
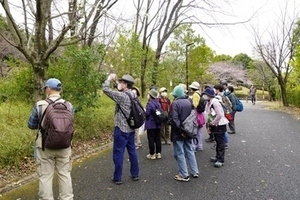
49	101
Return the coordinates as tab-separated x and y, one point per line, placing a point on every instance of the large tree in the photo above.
277	47
47	25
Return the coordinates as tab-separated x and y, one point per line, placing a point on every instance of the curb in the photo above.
10	186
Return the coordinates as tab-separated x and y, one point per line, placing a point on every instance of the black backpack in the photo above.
57	130
201	105
137	114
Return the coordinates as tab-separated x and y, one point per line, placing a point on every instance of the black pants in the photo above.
220	148
154	142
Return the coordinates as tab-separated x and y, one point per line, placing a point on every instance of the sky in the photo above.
234	39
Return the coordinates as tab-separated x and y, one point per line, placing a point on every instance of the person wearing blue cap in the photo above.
183	146
51	160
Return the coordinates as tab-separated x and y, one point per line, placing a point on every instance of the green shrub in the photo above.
16	139
293	96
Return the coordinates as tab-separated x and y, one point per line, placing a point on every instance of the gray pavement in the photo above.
262	162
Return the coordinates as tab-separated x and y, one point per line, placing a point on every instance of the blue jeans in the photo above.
183	150
198	146
121	141
226	138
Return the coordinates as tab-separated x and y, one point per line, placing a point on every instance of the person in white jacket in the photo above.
216	125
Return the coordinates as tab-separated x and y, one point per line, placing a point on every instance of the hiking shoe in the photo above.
218	164
180	178
209	140
158	155
117	182
135	178
231	132
151	157
213	159
195	175
226	146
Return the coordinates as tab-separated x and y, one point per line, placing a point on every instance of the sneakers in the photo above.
226	146
209	140
195	175
232	132
117	182
218	164
158	155
151	157
135	178
213	159
180	178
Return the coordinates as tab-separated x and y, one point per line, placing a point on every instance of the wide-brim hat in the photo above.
163	89
127	78
138	93
209	92
153	93
195	85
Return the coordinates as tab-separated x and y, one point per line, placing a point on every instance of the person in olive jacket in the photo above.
153	128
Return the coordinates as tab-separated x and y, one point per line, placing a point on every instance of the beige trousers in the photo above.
49	162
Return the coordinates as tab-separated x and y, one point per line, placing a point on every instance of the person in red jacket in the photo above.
165	105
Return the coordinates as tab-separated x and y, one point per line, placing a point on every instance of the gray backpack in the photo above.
57	130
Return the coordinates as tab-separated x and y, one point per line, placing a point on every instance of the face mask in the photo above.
227	91
119	87
163	94
205	97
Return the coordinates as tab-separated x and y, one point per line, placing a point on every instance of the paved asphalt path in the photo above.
262	162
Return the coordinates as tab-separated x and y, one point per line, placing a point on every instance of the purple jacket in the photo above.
180	110
151	107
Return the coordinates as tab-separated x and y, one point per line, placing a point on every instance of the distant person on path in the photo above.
231	96
123	136
137	138
153	129
165	106
49	160
180	110
216	125
252	93
196	95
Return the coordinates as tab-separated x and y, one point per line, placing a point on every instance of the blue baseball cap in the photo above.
53	83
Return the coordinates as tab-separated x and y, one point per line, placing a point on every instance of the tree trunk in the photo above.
155	66
283	93
39	77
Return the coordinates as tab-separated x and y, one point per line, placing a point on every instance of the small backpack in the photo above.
190	125
159	116
57	130
137	114
201	105
239	105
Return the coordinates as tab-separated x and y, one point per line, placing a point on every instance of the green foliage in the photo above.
95	122
222	58
16	139
244	59
18	85
293	95
3	23
77	69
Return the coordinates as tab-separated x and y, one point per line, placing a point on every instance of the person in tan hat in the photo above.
196	96
165	104
153	128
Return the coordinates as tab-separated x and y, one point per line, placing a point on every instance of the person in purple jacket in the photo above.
153	129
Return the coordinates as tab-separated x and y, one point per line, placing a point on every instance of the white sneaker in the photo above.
158	156
151	157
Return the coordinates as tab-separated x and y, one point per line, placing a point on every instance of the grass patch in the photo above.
17	140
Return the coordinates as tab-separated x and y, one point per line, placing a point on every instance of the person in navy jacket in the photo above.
153	129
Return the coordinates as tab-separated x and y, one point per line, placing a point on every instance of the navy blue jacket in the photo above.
180	110
151	107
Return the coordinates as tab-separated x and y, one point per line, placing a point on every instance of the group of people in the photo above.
212	118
